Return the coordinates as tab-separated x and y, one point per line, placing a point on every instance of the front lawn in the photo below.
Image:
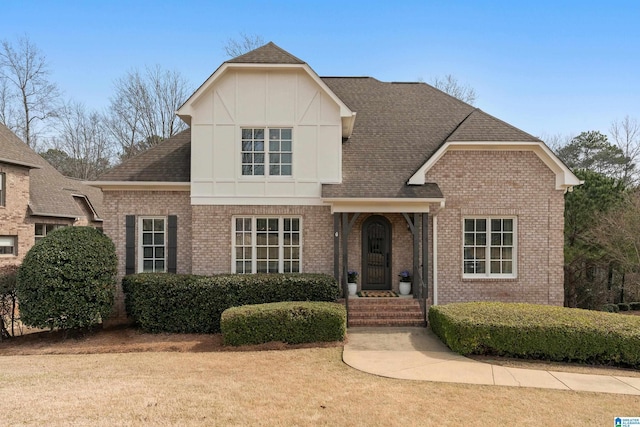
310	386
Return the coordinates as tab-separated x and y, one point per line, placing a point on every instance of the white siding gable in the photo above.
264	98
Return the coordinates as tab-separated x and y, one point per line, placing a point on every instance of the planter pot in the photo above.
405	288
353	288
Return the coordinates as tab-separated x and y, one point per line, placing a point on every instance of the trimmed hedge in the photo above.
538	332
635	306
161	302
610	308
68	279
623	306
289	322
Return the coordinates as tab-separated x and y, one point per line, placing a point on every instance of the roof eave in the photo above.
565	179
383	204
140	185
19	163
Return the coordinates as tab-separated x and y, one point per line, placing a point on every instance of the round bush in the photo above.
67	280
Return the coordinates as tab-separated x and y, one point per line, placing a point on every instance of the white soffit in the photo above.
381	205
565	179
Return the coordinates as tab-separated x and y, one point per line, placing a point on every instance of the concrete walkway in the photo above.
417	354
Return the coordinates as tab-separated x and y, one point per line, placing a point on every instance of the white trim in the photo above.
254	248
185	111
140	266
255	201
9	241
565	179
140	185
514	255
434	263
382	205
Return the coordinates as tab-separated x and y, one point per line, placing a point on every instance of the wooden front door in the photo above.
376	253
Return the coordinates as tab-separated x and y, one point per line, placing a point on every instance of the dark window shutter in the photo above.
172	244
3	188
130	245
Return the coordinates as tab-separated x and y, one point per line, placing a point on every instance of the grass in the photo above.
307	386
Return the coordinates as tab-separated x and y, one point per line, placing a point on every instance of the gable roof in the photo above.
50	192
270	53
480	126
169	161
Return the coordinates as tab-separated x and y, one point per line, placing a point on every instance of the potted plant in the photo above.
352	281
405	282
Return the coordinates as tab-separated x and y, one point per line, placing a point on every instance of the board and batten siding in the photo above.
264	98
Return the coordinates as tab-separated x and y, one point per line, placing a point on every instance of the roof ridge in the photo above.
265	55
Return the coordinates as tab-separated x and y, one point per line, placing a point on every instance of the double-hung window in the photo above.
489	248
267	151
8	245
153	243
267	245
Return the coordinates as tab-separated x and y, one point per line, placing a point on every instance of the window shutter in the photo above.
172	244
130	245
3	188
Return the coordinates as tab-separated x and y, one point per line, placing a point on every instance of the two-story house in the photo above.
35	199
285	171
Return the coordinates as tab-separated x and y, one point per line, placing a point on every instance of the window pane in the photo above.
273	266
148	252
286	134
258	133
295	267
147	238
273	224
158	225
481	239
147	266
147	225
295	224
285	170
273	253
507	267
507	239
495	253
258	170
507	253
285	146
39	229
274	133
496	225
274	158
159	252
481	225
247	133
469	239
274	170
158	238
261	267
469	225
495	267
274	146
286	158
507	224
259	146
496	239
159	266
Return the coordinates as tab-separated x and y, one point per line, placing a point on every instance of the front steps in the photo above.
385	312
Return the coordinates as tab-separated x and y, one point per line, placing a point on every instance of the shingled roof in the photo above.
50	192
398	127
169	161
270	53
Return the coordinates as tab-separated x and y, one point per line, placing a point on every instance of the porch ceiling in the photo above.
382	205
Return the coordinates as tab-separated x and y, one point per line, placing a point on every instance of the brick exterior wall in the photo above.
501	183
118	204
14	215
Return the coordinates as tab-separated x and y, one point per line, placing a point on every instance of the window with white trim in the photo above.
273	158
267	245
2	188
152	244
8	245
41	230
489	247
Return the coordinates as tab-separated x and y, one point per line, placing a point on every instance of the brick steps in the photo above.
385	312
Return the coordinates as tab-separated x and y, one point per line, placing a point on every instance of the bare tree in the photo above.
25	88
142	112
449	84
83	147
626	135
242	45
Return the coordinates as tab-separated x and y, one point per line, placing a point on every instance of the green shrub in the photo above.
635	306
193	304
610	308
289	322
538	332
67	280
623	306
8	275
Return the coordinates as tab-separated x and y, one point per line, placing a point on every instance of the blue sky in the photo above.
547	67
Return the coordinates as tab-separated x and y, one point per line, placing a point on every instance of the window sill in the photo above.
489	278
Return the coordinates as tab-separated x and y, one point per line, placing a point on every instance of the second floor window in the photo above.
267	151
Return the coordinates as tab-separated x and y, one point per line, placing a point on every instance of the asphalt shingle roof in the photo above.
398	127
50	192
169	161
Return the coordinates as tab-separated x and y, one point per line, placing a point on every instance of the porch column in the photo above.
416	256
425	254
336	246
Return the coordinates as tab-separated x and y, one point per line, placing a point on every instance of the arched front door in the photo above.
376	253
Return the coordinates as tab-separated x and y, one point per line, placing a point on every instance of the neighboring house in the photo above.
285	171
35	199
